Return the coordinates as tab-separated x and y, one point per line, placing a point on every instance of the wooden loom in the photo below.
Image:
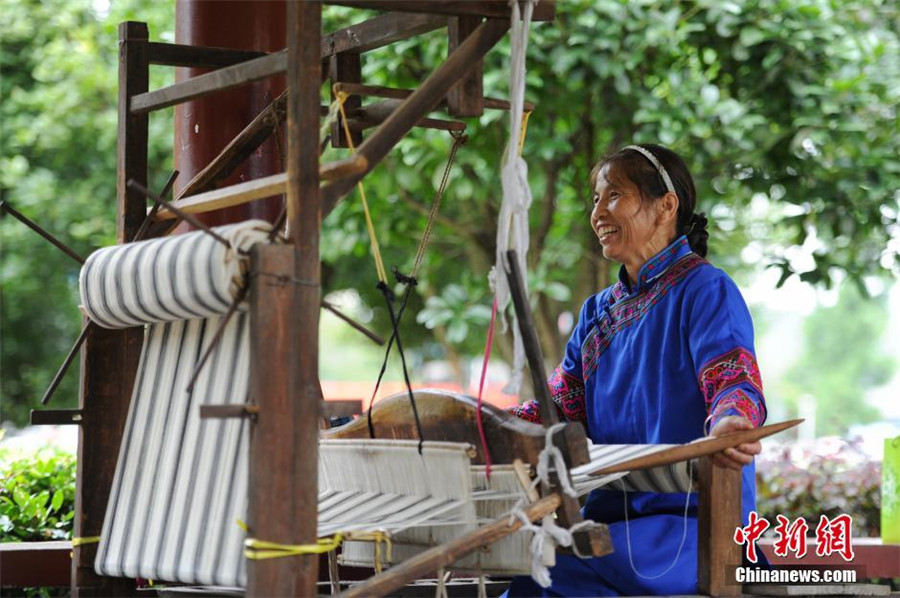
285	390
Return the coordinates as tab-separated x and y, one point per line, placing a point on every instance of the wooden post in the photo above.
719	515
109	358
345	67
466	98
284	379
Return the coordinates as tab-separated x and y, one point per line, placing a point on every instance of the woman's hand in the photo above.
737	457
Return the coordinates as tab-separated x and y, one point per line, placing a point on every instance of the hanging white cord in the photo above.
687	503
512	230
548	535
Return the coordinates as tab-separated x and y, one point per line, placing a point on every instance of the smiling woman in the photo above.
659	357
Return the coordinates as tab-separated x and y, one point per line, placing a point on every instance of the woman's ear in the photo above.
667	208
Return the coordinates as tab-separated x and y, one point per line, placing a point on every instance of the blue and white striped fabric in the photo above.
168	279
180	485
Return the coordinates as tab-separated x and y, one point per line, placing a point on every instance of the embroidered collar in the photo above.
651	270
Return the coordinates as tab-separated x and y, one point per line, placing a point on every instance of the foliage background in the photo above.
786	112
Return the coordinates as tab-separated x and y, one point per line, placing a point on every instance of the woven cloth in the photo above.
168	279
180	484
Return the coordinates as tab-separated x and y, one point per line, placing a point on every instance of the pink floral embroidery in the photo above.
625	313
737	402
529	411
567	392
733	368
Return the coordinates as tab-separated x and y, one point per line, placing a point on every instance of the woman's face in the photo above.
626	227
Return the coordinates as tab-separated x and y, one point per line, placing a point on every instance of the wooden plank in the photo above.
401	94
698	448
241	193
378	32
35	564
345	67
819	589
545	10
466	98
109	358
419	104
204	57
871	554
441	556
55	417
201	85
718	515
228	411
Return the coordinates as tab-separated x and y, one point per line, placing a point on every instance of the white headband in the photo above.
659	167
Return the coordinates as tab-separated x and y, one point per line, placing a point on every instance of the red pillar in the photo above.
204	127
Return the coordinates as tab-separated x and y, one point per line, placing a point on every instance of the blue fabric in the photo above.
648	365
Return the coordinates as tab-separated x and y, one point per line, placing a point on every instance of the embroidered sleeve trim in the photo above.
738	366
567	392
738	402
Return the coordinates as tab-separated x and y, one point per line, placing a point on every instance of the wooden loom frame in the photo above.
284	347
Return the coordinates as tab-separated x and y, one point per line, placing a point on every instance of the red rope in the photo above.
484	365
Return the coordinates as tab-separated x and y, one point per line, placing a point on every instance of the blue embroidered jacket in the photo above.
652	364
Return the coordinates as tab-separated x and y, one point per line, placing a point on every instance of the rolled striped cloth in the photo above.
168	279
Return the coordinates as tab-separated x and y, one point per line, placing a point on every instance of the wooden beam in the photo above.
719	514
35	564
441	556
55	417
241	193
590	541
372	115
203	57
378	32
345	67
283	501
110	358
201	85
545	10
401	94
466	98
228	411
270	504
304	217
419	104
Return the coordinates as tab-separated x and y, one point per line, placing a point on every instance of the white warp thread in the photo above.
512	231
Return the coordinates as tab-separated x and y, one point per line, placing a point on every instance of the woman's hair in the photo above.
651	185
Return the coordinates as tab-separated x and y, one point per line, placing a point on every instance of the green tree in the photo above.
769	100
58	113
843	357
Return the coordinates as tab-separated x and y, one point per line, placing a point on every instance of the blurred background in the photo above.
786	112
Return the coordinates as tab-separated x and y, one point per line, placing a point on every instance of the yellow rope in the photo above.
378	537
373	240
83	541
523	131
260	549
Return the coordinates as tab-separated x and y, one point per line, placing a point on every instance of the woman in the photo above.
663	356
